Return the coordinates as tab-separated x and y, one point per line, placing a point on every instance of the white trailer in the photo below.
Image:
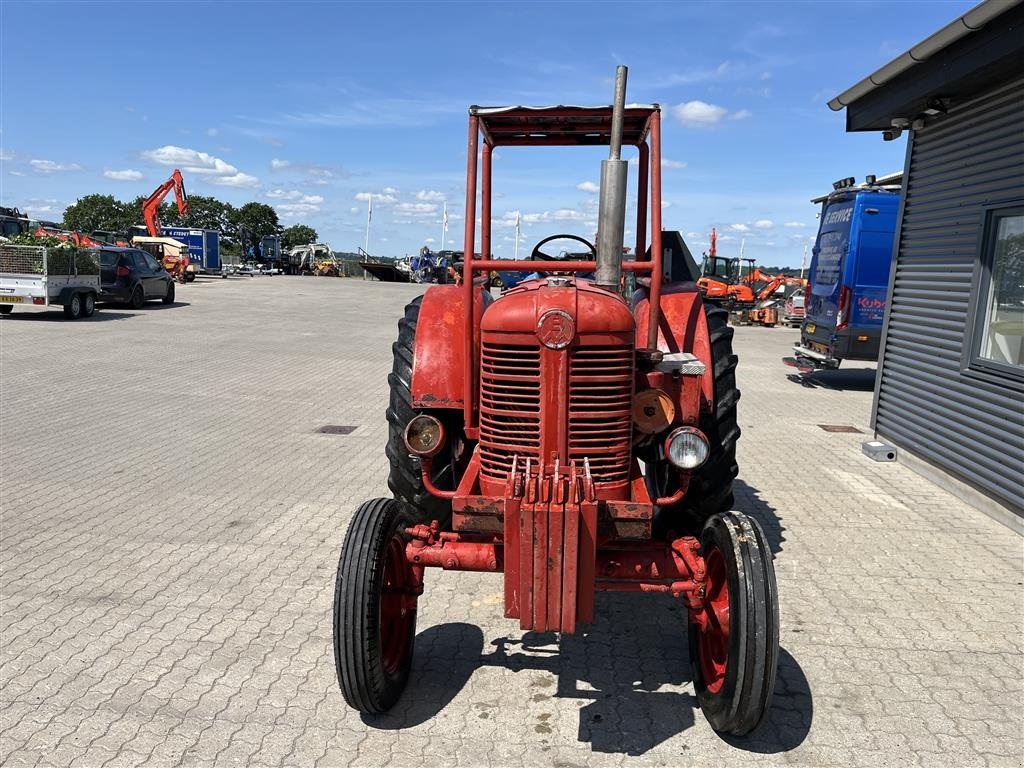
34	276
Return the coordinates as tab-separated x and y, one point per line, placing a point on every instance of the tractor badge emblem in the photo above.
556	329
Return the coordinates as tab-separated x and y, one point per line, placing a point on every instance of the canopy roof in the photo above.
562	124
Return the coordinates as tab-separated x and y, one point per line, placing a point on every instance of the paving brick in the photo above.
171	524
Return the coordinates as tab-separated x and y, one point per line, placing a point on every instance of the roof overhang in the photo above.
561	125
982	48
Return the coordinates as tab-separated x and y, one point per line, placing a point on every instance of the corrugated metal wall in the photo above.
971	426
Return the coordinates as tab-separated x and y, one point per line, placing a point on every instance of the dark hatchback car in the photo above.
133	276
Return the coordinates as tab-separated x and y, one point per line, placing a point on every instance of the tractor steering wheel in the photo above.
538	255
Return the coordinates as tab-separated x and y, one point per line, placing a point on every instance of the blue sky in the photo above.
313	107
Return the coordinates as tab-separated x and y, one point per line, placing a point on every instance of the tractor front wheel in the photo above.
734	641
375	599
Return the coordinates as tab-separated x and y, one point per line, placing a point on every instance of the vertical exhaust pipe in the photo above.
611	220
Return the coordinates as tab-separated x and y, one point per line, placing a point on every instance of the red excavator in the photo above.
739	284
82	241
174	259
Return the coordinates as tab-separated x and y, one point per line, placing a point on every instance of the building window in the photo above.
999	335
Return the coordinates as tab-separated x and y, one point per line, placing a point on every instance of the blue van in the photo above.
849	276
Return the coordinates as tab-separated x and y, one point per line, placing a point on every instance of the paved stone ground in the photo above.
171	523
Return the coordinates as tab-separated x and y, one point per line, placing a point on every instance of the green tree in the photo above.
298	234
94	212
252	222
208	213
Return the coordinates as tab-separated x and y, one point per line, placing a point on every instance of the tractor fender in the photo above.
683	327
439	362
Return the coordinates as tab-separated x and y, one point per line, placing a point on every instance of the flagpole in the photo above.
517	235
369	217
444	223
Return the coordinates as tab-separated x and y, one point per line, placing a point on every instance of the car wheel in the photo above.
169	296
73	309
88	305
6	309
138	298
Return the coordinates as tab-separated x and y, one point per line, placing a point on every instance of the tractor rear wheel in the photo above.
710	490
734	648
405	480
374	608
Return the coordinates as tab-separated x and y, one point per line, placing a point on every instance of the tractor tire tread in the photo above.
358	662
711	486
404	477
742	704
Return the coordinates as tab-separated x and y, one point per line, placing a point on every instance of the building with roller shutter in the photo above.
950	387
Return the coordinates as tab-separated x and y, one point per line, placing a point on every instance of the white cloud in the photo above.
666	204
389	191
5	155
430	195
213	169
191	160
31	208
297	209
49	166
699	114
294	195
675	165
212	131
277	165
376	196
693	235
353	209
125	175
235	180
739	227
430	240
764	224
795	225
16	173
417	209
588	186
562	214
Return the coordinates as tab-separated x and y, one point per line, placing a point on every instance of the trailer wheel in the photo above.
734	648
405	480
169	296
73	308
6	309
710	490
138	298
89	305
374	608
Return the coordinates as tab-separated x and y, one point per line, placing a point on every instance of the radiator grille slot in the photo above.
600	418
509	407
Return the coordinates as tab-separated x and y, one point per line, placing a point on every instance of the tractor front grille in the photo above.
509	407
600	416
597	415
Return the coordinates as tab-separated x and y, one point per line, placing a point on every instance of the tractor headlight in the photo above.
424	436
687	448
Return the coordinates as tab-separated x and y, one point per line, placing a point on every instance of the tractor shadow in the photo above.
748	499
846	380
618	666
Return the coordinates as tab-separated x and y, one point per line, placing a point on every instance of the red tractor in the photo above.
571	437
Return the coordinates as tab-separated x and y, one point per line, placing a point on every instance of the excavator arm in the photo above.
151	208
